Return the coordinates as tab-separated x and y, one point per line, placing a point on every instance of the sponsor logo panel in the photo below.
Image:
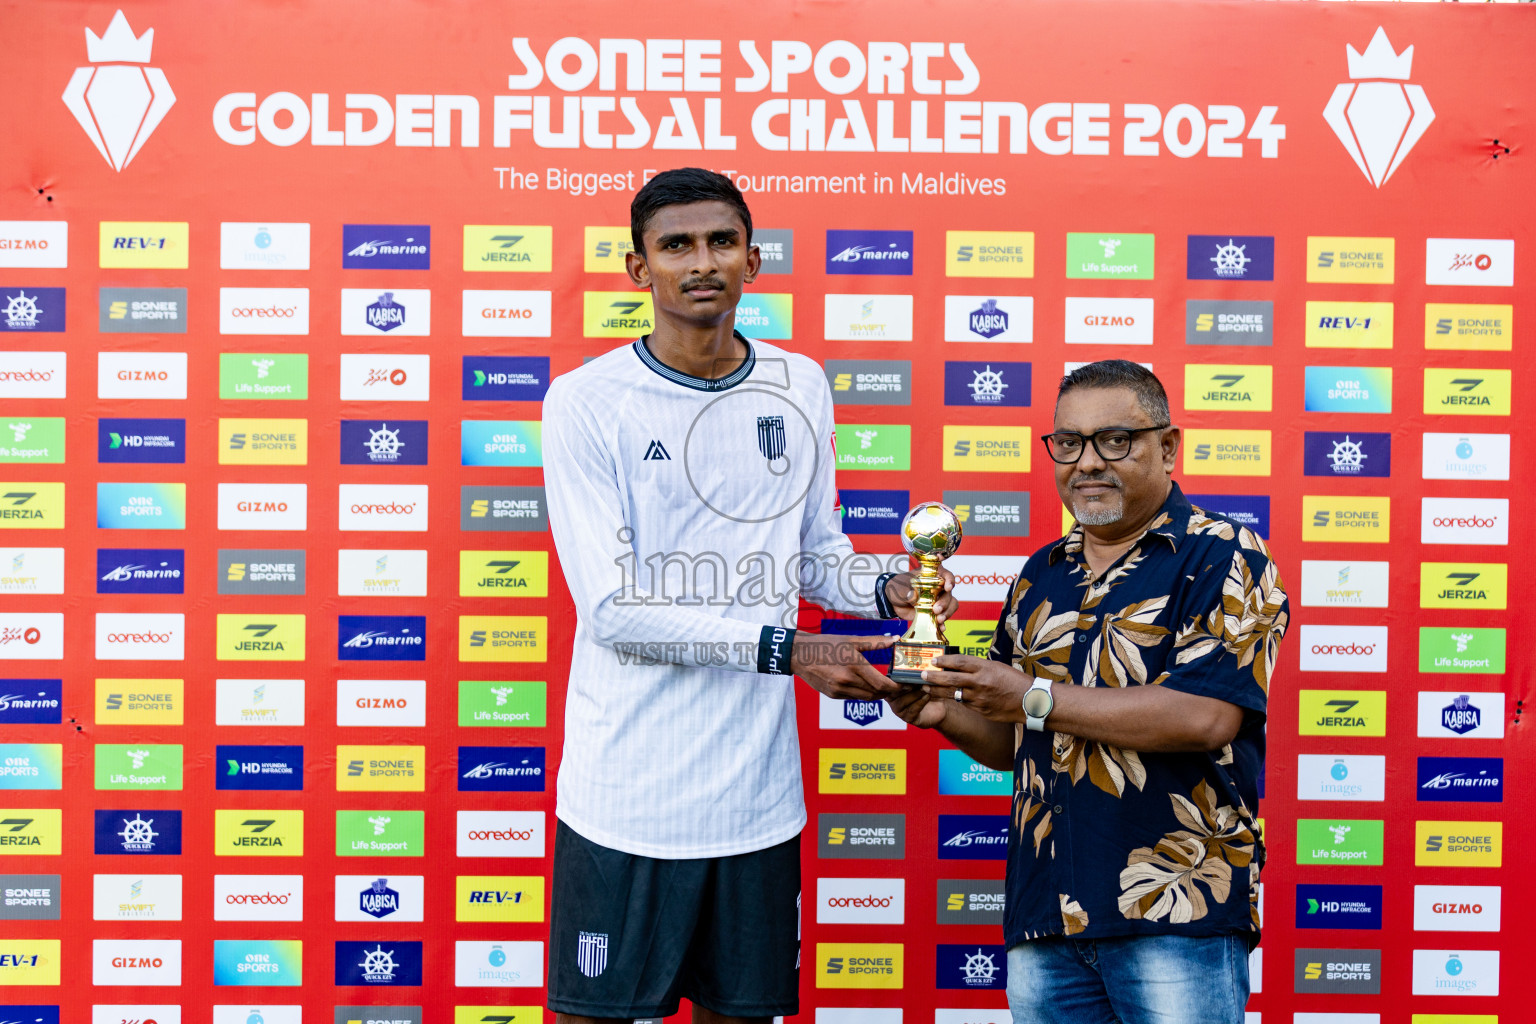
383	442
503	638
386	377
869	252
138	766
1468	392
1228	452
502	508
1230	322
1333	259
136	962
498	964
385	833
264	375
378	572
503	573
31	701
1339	906
983	578
854	770
275	962
985	449
1464	521
1463	585
141	506
34	243
270	1014
1340	971
990	513
499	898
141	375
382	507
501	443
1462	649
1489	262
1343	713
398	312
138	832
369	768
141	440
160	245
777	248
866	317
971	967
1348	389
31	766
1349	325
604	248
501	769
1347	454
264	311
616	314
1110	256
860	900
31	962
766	315
484	702
999	318
261	570
1456	972
381	702
987	385
1341	777
1466	457
873	512
258	833
505	378
1230	258
263	245
1108	321
859	836
1468	328
31	831
240	636
959	775
372	898
381	638
989	254
514	248
258	767
505	314
874	446
860	965
1249	510
1452	715
140	701
1339	841
1349	520
1237	388
1344	584
36	636
870	381
970	901
30	897
1466	844
854	715
247	442
268	506
258	897
1457	908
1343	648
136	897
386	247
500	834
139	637
973	837
32	439
31	571
270	702
32	374
1463	779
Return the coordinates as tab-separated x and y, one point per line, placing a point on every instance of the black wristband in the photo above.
773	650
882	602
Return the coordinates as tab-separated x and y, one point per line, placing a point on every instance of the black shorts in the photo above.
629	936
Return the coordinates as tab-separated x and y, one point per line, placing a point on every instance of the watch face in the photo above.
1038	703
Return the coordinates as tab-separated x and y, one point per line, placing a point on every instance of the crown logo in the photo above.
120	45
1377	115
116	103
1379	60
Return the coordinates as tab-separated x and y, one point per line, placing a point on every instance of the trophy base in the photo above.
909	659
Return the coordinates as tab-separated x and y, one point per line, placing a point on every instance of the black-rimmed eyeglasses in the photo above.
1112	443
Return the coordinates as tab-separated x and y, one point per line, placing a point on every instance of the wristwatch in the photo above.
1038	704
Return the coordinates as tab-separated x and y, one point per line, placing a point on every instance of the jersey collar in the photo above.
730	380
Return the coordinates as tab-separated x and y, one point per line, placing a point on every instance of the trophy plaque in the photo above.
931	533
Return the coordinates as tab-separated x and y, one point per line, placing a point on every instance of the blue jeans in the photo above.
1146	979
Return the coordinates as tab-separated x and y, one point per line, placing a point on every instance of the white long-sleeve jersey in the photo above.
689	516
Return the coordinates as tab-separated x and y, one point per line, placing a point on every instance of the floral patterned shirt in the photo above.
1109	842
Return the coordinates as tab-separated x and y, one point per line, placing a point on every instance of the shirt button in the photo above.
1081	638
1056	809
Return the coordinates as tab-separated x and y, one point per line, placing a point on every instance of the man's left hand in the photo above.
991	688
898	591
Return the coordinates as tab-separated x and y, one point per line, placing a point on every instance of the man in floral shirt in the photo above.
1127	688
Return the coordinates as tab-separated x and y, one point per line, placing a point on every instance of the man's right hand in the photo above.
835	665
915	707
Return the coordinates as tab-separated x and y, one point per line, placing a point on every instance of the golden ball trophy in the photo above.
931	532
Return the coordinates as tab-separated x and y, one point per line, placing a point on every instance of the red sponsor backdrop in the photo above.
769	107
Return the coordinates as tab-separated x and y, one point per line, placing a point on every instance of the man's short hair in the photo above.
680	186
1121	373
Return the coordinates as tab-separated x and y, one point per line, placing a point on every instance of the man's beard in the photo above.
1099	511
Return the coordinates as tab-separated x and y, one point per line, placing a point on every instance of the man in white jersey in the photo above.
692	501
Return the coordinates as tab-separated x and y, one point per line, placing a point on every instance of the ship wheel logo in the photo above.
1347	456
384	444
21	311
378	965
1231	260
138	833
980	968
987	386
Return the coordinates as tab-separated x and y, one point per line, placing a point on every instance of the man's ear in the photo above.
754	263
1170	440
635	266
